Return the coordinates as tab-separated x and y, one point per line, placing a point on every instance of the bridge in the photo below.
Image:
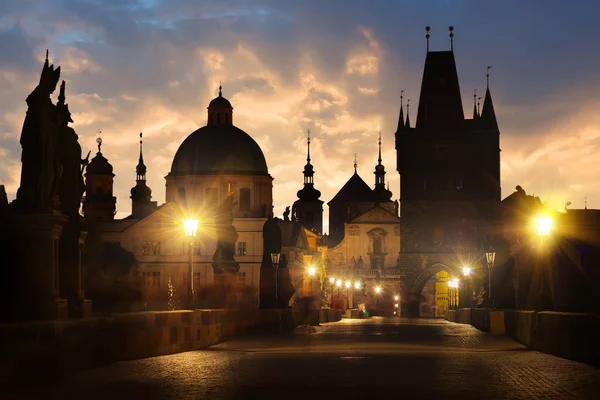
364	358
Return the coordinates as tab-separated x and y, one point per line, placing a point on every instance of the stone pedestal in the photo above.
31	280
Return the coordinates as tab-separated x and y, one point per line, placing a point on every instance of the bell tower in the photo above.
308	209
141	195
99	203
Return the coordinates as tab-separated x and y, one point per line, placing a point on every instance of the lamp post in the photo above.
331	283
348	284
544	228
190	226
275	260
490	257
467	287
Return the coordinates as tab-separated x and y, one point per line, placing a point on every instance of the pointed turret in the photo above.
488	115
220	111
407	126
475	113
401	117
141	195
308	209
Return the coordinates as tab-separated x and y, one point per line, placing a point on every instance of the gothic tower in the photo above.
308	209
99	203
449	175
141	195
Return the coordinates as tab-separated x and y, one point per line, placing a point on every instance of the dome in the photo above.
219	102
219	149
99	166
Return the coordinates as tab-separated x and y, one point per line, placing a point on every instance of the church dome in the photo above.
219	149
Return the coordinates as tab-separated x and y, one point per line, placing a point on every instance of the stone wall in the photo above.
568	335
50	348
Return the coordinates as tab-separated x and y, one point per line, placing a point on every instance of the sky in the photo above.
334	67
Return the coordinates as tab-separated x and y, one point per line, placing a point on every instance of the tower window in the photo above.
218	118
241	248
244	199
227	118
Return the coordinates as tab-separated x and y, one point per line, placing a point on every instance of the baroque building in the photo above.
212	163
449	181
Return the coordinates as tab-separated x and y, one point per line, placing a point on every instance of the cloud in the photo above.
287	67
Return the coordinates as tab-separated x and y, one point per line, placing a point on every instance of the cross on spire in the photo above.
427	29
355	162
308	144
487	76
379	159
451	28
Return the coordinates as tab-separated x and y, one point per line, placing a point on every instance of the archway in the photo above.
416	303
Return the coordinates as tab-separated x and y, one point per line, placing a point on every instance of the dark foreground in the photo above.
349	359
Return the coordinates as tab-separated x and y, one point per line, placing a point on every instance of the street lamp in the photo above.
275	260
331	282
466	271
490	257
311	271
190	227
544	225
378	289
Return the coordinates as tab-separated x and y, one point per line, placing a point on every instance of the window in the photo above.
146	248
151	279
182	198
241	248
241	277
244	199
155	248
227	117
197	248
376	245
218	118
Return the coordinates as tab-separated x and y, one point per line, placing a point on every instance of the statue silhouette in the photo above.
39	139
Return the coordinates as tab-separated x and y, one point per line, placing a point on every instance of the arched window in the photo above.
218	118
226	118
376	245
182	198
244	199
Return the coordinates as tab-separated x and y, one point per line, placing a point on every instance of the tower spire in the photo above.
475	113
427	29
379	159
220	89
487	76
401	117
478	108
308	146
355	162
408	113
451	29
141	167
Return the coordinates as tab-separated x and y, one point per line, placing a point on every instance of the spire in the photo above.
220	89
308	147
401	118
380	192
61	96
478	108
220	111
488	115
407	113
379	159
451	29
141	167
99	141
308	193
427	29
355	162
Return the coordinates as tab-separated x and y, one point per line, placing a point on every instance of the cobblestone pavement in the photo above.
350	359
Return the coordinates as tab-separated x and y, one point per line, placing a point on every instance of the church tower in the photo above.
99	203
449	175
308	209
382	196
141	195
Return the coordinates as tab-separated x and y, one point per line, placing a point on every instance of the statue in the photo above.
360	263
223	259
38	185
294	213
271	244
70	185
286	214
